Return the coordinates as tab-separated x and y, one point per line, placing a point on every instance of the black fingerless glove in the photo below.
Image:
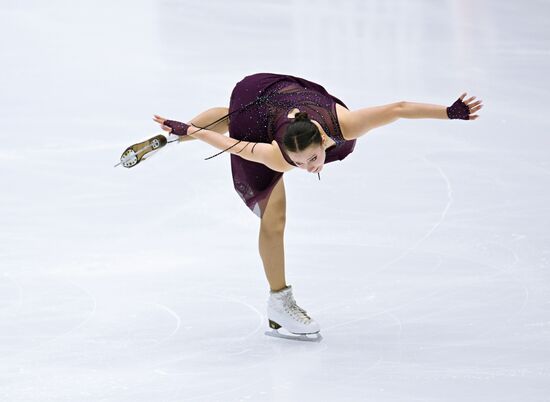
178	128
458	110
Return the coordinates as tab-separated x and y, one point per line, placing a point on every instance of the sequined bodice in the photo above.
259	108
283	97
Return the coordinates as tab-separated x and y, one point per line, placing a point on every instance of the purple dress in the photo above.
259	106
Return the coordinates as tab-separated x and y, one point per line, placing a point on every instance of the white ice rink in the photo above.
424	255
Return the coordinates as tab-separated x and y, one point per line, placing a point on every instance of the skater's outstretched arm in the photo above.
358	122
260	152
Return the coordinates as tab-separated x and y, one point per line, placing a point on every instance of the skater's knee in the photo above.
274	217
274	225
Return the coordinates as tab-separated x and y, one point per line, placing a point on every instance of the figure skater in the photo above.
276	123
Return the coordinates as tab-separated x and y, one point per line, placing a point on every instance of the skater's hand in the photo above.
172	126
464	109
160	120
473	106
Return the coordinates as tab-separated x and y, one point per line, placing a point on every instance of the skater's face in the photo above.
311	159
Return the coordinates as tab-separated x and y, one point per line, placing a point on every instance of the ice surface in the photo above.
424	255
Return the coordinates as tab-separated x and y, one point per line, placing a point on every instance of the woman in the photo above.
282	122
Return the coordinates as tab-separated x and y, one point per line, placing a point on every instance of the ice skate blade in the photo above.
141	151
316	337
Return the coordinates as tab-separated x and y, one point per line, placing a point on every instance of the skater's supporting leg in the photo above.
271	241
282	310
207	117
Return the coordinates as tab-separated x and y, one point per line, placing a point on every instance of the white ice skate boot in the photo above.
282	311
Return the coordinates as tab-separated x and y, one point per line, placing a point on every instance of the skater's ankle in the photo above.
278	289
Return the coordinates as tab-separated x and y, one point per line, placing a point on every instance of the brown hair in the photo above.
301	133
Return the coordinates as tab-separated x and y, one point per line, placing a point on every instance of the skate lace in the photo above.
294	310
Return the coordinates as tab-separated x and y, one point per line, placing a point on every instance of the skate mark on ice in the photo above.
389	310
483	335
355	301
399	341
362	300
163	368
447	207
399	323
434	226
208	397
16	305
55	338
498	271
174	315
83	322
260	316
510	318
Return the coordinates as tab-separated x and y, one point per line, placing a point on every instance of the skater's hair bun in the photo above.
301	134
301	116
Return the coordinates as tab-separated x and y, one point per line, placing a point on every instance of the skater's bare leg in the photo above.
271	241
208	117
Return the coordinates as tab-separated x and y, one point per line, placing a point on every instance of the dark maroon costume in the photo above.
259	107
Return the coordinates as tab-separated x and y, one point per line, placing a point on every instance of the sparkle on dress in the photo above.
259	108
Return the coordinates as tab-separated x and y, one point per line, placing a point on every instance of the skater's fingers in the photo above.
475	108
166	128
475	103
462	96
